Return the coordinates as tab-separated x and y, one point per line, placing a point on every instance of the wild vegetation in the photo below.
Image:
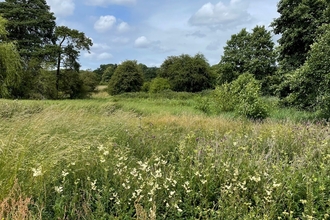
247	138
139	157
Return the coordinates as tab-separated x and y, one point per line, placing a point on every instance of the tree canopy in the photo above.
248	52
10	62
297	25
187	73
30	24
128	77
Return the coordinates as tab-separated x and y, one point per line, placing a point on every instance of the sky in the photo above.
151	30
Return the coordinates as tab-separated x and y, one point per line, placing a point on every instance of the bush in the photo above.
242	96
159	84
224	99
203	104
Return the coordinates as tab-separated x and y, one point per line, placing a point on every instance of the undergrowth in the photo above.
95	159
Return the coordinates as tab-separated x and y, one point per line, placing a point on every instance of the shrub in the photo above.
224	99
159	84
243	96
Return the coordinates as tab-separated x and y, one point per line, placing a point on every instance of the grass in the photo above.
133	157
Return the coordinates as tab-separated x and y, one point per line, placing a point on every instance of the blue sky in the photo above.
151	30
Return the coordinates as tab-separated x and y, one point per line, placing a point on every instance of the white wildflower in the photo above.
64	173
58	189
37	171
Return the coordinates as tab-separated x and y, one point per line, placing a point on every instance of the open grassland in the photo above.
158	158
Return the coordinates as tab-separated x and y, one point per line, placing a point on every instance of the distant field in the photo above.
141	156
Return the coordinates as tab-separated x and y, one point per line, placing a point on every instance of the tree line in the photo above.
39	59
46	58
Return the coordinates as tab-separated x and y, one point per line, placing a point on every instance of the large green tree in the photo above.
248	52
10	62
69	44
128	77
297	25
310	84
187	73
31	25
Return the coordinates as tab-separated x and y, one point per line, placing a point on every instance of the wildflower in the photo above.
303	201
158	173
177	207
203	181
64	173
37	171
93	185
255	179
101	148
102	160
105	153
58	189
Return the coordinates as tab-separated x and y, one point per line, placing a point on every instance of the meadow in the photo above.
137	156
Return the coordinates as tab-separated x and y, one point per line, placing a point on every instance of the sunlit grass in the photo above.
157	158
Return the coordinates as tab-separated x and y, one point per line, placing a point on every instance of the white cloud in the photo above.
105	23
110	2
61	8
104	56
142	42
123	27
222	16
96	56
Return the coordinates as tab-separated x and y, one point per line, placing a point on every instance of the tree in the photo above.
108	72
248	52
10	62
186	73
99	71
31	25
298	24
150	73
158	85
128	77
311	82
67	50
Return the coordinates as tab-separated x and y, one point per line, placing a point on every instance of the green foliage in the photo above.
150	73
145	87
31	25
108	72
310	84
110	164
89	79
10	63
159	84
248	52
127	78
297	25
186	73
242	96
224	99
69	44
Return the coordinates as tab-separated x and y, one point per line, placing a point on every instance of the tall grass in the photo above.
101	159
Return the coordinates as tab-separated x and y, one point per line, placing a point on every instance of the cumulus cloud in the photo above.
105	23
142	42
222	16
61	8
110	2
123	27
